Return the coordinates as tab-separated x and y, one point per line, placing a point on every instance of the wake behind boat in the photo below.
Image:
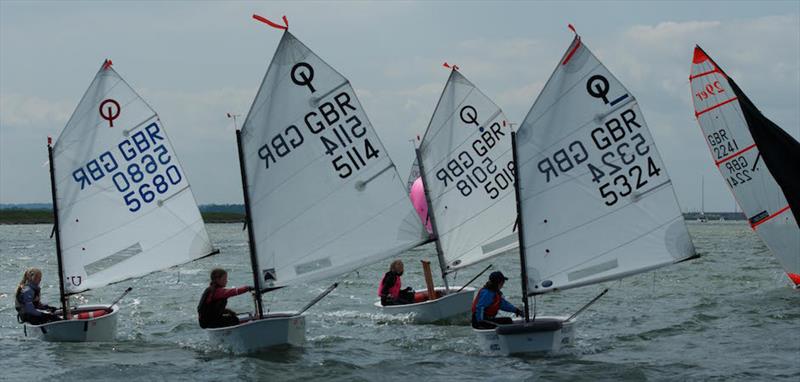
122	206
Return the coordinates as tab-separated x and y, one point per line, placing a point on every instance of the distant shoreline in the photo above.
231	214
45	216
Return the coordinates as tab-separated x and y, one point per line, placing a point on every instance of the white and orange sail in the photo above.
758	160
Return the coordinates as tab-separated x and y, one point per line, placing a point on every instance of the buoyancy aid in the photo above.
394	290
19	305
207	312
491	310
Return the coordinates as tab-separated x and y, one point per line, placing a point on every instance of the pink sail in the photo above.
417	195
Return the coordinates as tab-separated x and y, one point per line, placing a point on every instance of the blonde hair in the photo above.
395	265
28	276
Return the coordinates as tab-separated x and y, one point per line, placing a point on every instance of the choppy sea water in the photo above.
729	315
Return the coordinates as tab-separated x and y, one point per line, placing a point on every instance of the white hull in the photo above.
275	329
101	329
451	306
549	337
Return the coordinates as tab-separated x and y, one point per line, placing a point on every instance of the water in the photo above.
727	316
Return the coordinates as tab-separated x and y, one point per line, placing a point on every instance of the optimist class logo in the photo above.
109	110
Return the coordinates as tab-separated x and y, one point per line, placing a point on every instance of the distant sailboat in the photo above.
702	218
595	202
322	197
121	201
466	178
758	160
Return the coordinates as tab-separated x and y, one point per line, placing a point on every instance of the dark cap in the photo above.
497	276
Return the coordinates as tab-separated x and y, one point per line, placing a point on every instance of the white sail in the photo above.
719	107
596	201
325	197
469	175
413	175
125	208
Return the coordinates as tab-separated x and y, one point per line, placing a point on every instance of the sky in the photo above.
193	62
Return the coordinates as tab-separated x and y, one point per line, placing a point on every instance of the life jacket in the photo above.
208	312
491	310
19	305
394	290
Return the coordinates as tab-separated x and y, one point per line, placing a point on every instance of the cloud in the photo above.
193	73
27	112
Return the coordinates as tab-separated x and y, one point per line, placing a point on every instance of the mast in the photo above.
62	296
521	237
250	240
439	253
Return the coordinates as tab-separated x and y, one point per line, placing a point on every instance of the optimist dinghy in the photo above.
595	202
322	197
122	205
758	160
466	175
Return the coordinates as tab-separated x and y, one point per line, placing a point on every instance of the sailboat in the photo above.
122	205
322	197
758	160
702	218
595	202
466	173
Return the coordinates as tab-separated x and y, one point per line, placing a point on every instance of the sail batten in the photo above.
325	197
125	205
595	197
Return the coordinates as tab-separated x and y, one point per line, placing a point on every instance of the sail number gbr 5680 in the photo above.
625	164
140	167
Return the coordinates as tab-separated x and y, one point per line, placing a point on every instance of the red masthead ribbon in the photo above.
49	140
273	24
575	47
448	66
107	64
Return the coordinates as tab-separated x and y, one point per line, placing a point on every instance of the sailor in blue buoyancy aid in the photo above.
29	308
489	301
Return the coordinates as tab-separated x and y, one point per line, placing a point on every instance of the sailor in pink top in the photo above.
389	288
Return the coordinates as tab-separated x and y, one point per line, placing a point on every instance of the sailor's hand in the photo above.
50	309
518	312
249	288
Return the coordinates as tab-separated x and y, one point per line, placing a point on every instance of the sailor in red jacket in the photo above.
489	301
211	311
389	288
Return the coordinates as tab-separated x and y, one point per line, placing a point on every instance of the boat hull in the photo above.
275	329
454	306
549	335
100	329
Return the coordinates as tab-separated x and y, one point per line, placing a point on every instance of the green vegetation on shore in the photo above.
234	214
45	216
